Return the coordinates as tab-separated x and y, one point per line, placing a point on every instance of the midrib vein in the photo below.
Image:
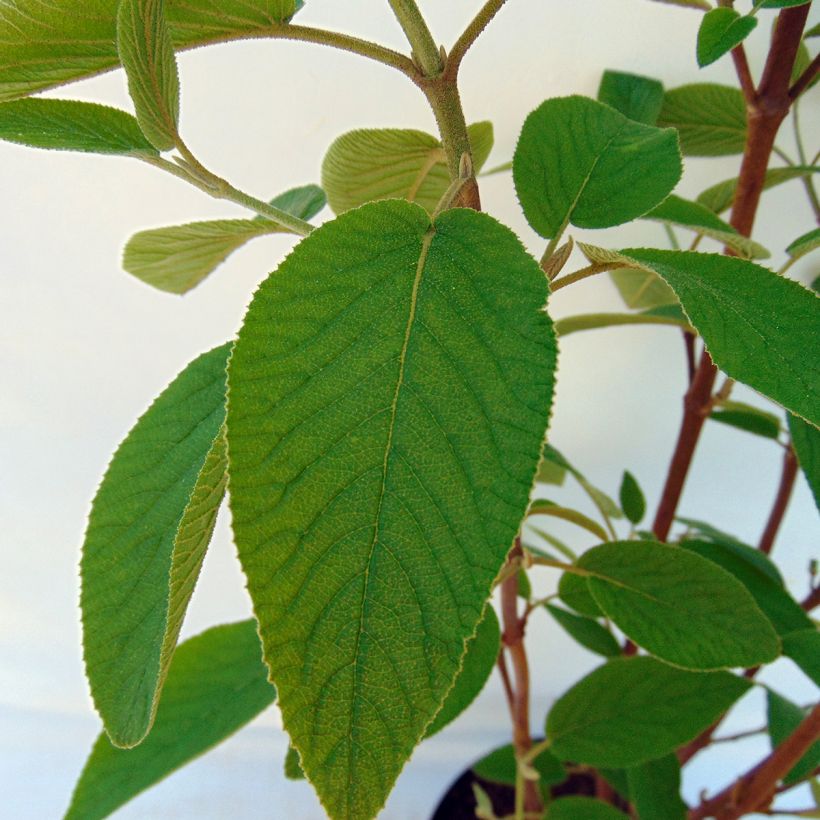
424	252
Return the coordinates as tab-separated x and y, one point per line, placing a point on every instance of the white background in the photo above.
84	348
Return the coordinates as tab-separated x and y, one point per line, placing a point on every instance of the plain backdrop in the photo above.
84	348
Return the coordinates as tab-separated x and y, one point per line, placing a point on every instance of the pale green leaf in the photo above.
710	118
675	210
149	527
216	684
499	766
654	789
147	54
633	502
722	29
803	648
595	321
177	258
587	632
581	162
543	507
642	289
389	393
66	125
747	417
803	244
783	717
806	443
760	328
719	197
49	44
636	97
680	607
387	163
595	721
582	808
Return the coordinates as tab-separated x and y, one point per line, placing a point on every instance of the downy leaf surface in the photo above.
654	789
579	161
722	29
149	527
387	407
636	97
216	684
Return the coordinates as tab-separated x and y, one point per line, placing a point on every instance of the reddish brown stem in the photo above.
805	79
757	788
781	501
812	600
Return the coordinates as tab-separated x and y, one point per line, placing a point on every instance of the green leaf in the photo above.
49	44
293	768
762	562
803	244
719	197
66	125
654	789
581	162
596	321
804	649
587	632
149	527
782	4
675	210
760	328
747	417
524	585
636	97
710	118
783	717
573	590
176	259
479	662
806	443
387	163
722	29
387	408
632	501
594	722
814	31
775	602
582	808
678	606
642	289
499	766
543	507
147	54
216	684
701	5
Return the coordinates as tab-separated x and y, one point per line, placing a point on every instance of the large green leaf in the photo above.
149	527
711	119
176	259
582	808
595	721
803	648
675	210
654	789
147	53
581	162
806	443
388	397
48	44
760	328
719	197
388	163
66	125
636	97
216	684
783	717
722	29
680	607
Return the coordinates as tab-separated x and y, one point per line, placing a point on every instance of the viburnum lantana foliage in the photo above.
379	425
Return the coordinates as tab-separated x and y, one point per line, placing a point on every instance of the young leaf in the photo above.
654	789
216	684
747	417
594	722
374	506
782	4
719	197
499	766
675	210
760	328
149	527
388	163
803	648
783	717
588	632
632	501
678	606
574	592
711	119
582	808
293	768
543	507
66	125
754	556
804	244
642	289
806	443
49	44
595	321
479	662
636	97
701	5
176	259
147	54
581	162
722	29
